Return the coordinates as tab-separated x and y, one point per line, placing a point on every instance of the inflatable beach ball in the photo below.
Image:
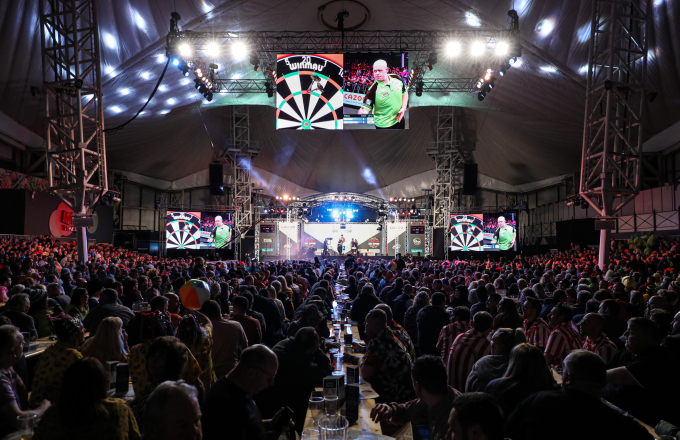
194	293
392	266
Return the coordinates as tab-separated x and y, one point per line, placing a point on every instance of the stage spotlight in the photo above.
285	197
477	48
379	227
502	48
197	83
431	60
491	83
481	96
212	49
453	48
174	61
419	88
348	214
184	50
336	213
269	89
391	199
202	89
512	61
266	211
239	51
209	96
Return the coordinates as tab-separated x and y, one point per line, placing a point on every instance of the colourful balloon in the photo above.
194	293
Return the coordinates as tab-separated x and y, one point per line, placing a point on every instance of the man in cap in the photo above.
592	328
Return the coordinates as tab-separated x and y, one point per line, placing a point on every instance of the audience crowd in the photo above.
358	75
460	349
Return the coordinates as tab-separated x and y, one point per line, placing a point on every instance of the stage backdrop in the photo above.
288	229
367	234
396	238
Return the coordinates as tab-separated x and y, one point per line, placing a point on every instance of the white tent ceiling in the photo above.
529	128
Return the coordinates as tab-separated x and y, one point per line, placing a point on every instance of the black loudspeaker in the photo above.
215	170
438	243
470	179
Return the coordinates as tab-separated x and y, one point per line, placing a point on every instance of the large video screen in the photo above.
198	230
484	232
309	92
366	236
375	91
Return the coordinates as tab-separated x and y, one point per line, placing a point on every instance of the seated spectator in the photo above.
559	297
173	308
13	394
535	328
150	329
402	304
468	348
564	338
57	300
229	339
387	364
460	323
482	298
272	333
616	326
251	326
583	379
94	289
16	309
494	365
108	307
78	306
165	360
421	300
492	304
195	331
592	327
109	344
302	367
508	316
40	310
431	320
475	416
398	331
592	306
229	402
527	373
53	362
173	413
649	384
161	319
434	399
362	305
84	410
672	342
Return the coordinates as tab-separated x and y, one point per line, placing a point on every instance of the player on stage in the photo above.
325	248
387	99
505	235
354	246
220	234
341	241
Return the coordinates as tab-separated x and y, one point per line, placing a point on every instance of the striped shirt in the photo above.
563	340
467	349
538	334
448	335
602	347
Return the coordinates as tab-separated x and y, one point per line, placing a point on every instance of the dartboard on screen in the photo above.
309	92
467	232
183	230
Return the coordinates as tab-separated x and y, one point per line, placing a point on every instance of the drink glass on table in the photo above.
333	427
316	408
310	434
27	424
331	404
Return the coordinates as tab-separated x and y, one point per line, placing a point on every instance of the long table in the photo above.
558	378
365	405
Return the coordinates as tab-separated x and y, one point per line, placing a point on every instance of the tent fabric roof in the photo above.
529	128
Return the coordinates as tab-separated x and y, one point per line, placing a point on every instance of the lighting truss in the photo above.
74	147
418	43
615	95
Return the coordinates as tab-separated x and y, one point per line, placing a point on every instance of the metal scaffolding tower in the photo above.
448	160
75	148
615	94
240	155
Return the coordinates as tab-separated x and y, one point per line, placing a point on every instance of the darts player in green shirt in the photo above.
220	233
505	235
387	99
